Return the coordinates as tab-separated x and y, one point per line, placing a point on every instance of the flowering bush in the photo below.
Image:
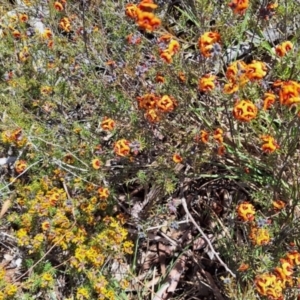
132	132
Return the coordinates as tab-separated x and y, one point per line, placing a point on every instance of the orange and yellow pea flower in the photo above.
177	158
259	236
148	101
246	211
289	92
206	41
270	145
121	147
218	135
244	110
204	136
256	70
166	56
207	83
166	103
58	6
173	47
152	115
278	204
147	5
239	6
65	24
269	99
243	267
103	193
20	166
131	10
108	124
147	21
283	48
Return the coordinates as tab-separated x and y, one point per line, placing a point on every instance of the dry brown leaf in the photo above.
5	207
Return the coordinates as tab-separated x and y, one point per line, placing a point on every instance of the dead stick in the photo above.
206	238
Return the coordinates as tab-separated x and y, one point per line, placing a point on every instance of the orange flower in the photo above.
204	135
230	88
47	34
221	150
166	56
24	54
287	267
23	18
283	48
181	76
147	5
166	103
16	34
206	42
289	92
244	110
65	24
152	115
103	193
243	267
259	236
256	70
147	21
131	10
218	135
206	83
269	100
165	37
265	283
20	166
133	39
173	47
159	78
278	204
108	124
58	6
246	211
96	163
270	144
148	101
122	148
293	257
239	6
177	158
236	72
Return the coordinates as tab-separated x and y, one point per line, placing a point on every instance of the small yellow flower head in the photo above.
46	90
246	211
82	293
10	289
96	163
177	158
24	54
